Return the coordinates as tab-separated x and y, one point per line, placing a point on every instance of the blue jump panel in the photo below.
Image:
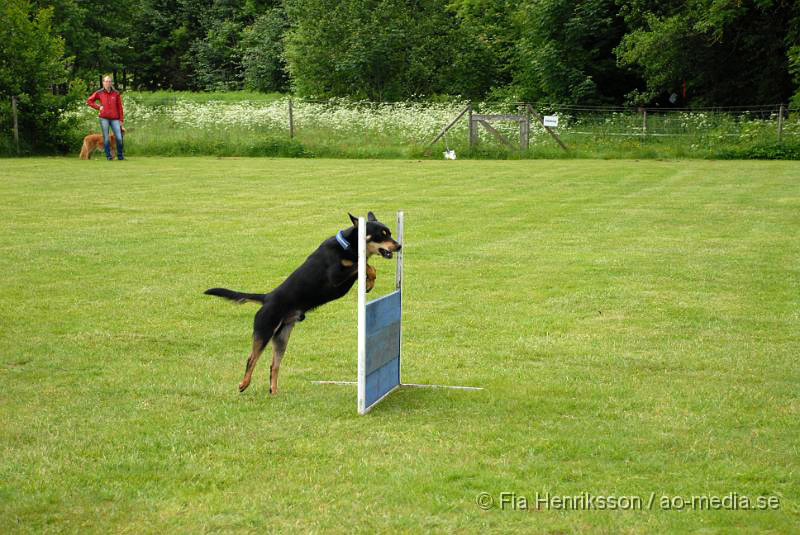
383	347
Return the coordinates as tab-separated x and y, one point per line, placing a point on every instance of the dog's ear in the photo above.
353	218
371	217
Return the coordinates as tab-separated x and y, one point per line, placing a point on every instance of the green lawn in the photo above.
634	324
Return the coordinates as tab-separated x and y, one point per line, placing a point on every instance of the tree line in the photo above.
691	53
697	52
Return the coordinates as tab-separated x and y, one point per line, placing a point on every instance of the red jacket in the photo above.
111	102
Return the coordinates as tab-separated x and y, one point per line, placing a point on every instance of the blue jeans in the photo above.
115	126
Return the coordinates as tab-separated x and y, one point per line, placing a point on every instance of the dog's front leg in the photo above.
371	276
351	271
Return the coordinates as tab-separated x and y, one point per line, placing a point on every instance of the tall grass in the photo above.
244	124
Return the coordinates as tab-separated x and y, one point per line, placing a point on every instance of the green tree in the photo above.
729	53
374	49
327	55
162	32
262	52
31	63
216	60
793	56
565	52
489	31
96	39
794	70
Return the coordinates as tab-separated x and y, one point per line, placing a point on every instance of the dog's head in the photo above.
379	237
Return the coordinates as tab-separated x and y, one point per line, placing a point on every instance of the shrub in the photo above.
32	63
764	151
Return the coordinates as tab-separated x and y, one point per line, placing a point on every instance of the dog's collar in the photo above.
343	242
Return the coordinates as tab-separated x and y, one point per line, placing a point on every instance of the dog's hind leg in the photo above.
279	343
266	323
258	347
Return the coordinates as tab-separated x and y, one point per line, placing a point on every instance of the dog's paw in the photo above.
243	386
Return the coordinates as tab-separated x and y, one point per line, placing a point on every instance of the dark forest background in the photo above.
696	53
705	52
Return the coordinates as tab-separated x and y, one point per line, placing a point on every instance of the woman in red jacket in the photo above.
110	114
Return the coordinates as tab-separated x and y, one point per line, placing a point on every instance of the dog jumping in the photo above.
327	274
94	142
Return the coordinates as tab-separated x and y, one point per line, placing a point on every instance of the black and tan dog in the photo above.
327	274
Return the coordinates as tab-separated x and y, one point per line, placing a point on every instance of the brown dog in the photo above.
94	142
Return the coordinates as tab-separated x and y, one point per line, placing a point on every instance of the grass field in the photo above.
635	326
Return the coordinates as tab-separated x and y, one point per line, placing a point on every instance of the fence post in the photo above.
644	122
472	132
16	125
527	127
291	120
523	130
780	123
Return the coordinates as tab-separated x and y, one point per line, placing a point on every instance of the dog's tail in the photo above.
85	151
238	297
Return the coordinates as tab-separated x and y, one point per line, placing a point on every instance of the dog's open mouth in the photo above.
386	253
